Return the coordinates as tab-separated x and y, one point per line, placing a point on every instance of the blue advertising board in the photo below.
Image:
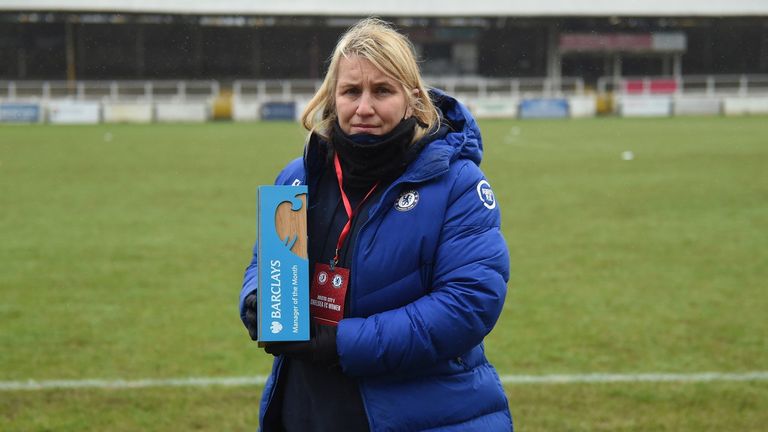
543	108
19	113
283	290
278	111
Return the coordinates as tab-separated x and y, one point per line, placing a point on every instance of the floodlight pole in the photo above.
554	61
140	54
677	65
70	49
616	70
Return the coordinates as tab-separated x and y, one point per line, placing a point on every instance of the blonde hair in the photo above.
392	53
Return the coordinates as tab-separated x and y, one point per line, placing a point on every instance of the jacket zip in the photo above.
374	213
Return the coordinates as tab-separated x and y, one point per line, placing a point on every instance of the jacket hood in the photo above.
464	134
458	138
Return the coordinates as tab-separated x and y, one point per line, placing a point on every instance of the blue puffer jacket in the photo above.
429	283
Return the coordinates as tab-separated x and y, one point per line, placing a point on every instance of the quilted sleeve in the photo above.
470	274
250	281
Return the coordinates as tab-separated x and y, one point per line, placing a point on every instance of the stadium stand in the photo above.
232	57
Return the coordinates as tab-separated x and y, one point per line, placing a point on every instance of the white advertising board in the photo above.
645	106
493	107
115	112
189	112
695	105
582	106
245	111
74	112
301	105
736	106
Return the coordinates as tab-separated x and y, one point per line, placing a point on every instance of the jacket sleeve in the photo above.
470	273
250	281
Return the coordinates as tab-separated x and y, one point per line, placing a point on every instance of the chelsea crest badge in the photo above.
407	201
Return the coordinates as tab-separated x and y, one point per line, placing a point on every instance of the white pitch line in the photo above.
132	384
640	377
261	379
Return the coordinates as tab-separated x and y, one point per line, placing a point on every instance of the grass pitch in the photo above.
122	250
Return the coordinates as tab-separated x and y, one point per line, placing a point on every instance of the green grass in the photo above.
122	250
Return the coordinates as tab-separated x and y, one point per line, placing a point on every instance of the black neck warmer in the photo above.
366	159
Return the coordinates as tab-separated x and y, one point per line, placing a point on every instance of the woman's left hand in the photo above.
321	348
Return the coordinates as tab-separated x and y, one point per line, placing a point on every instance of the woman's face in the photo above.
367	100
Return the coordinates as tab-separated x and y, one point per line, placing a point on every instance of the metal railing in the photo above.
509	87
274	89
287	90
693	85
125	91
267	90
459	86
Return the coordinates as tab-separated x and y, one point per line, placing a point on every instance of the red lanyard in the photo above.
347	207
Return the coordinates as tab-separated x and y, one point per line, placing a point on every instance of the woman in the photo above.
397	200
